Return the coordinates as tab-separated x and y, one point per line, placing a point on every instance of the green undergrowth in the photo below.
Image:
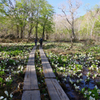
78	68
63	48
13	61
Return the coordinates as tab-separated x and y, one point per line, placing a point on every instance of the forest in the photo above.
69	53
25	18
34	19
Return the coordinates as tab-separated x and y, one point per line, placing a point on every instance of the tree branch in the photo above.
65	15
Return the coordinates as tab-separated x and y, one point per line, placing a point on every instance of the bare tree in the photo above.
71	10
93	17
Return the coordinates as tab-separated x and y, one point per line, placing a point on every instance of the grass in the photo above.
13	61
68	64
72	65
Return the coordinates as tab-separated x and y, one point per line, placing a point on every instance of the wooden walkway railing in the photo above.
30	88
54	89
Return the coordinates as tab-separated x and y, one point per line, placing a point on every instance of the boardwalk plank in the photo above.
30	88
59	90
47	70
31	95
27	79
30	80
33	78
55	91
51	90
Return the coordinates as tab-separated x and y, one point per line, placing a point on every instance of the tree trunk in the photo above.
21	36
17	32
30	31
73	33
46	35
71	42
22	31
36	30
31	27
43	31
91	33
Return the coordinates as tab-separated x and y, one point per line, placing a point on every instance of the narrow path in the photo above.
47	70
30	88
54	89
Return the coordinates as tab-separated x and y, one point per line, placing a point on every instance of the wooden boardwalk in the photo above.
54	89
30	88
47	70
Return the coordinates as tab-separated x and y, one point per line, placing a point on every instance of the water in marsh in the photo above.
70	90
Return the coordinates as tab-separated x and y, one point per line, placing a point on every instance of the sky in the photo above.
82	9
